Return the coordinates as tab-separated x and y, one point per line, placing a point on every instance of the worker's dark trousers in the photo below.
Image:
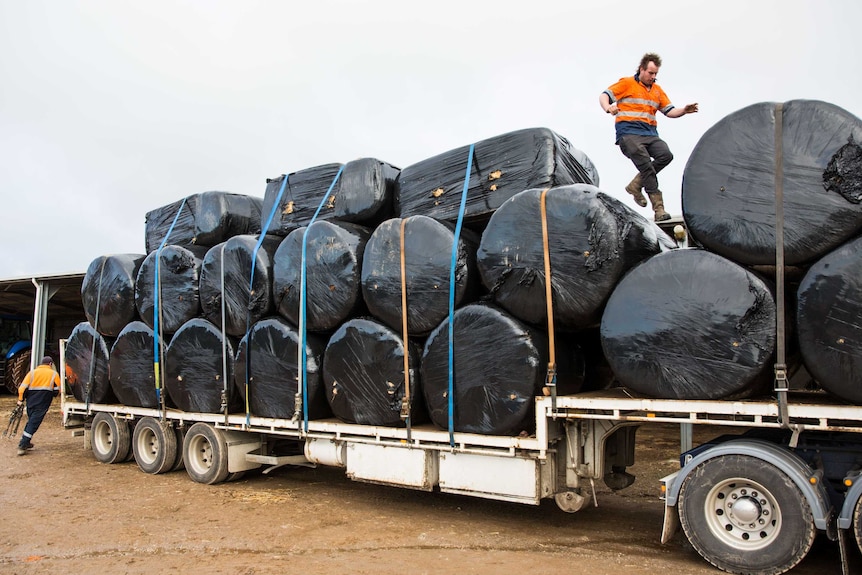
38	402
649	154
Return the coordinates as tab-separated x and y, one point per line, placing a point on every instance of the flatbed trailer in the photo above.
748	503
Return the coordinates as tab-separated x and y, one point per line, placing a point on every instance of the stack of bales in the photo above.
700	323
365	289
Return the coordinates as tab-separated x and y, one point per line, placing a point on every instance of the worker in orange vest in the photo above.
39	388
634	101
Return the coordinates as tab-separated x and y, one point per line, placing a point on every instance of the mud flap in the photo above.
670	525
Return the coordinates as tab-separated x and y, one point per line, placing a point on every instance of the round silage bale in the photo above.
87	364
131	366
226	273
829	320
499	366
179	297
268	366
690	324
108	292
195	364
363	373
729	183
427	271
592	240
333	267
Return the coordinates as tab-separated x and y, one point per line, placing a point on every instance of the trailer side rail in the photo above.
805	412
424	436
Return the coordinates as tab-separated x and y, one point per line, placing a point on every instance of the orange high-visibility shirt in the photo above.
42	378
638	106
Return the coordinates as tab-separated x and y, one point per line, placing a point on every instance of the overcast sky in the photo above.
112	108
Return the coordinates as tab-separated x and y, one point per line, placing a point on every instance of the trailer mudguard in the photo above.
845	518
785	460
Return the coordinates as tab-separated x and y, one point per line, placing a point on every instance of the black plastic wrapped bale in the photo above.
728	186
87	364
206	219
364	194
592	240
195	363
363	372
246	298
131	366
500	365
690	324
333	274
272	374
428	265
830	321
108	292
502	167
179	297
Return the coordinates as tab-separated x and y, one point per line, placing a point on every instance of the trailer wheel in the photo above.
155	446
205	454
110	438
744	515
857	523
180	434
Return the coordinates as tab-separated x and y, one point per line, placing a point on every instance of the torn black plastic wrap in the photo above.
502	167
179	299
592	240
830	321
108	292
194	368
690	324
363	194
206	219
333	270
500	365
272	370
131	366
363	372
87	364
246	300
728	186
427	262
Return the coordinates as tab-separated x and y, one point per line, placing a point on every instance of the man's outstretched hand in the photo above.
691	108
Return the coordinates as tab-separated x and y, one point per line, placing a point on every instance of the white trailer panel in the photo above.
504	478
402	466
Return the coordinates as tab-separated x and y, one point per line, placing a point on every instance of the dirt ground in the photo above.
64	512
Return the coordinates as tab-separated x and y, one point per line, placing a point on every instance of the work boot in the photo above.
658	206
634	188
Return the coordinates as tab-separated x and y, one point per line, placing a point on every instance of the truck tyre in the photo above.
155	446
178	462
857	523
205	454
744	515
110	438
16	368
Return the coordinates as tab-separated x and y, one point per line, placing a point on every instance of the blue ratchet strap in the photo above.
157	288
303	371
451	389
263	231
